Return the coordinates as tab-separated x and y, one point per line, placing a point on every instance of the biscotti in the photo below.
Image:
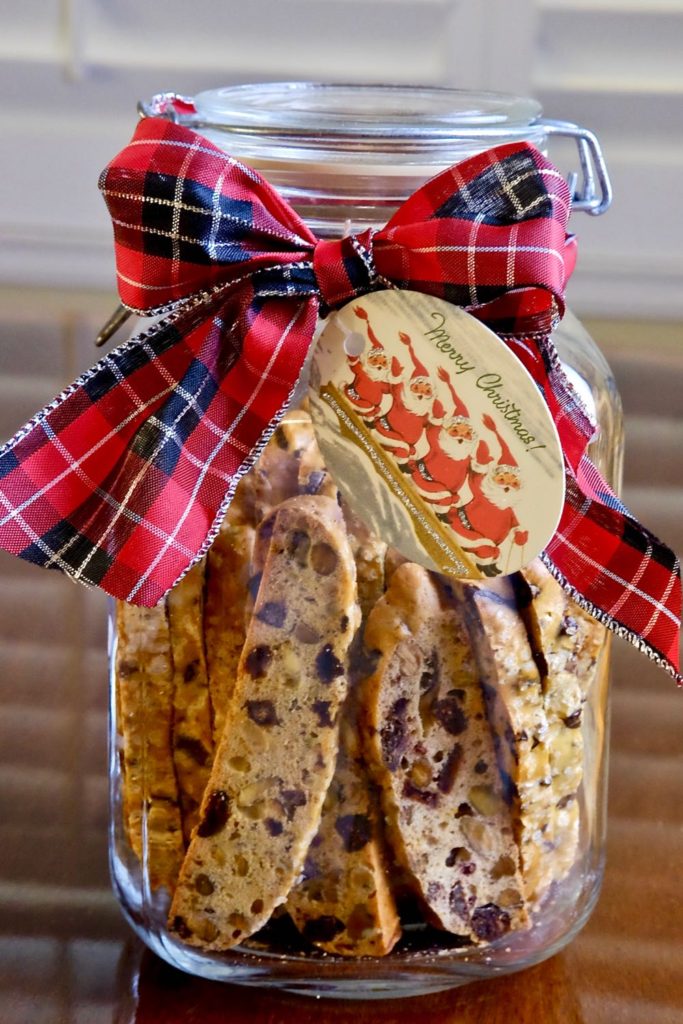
568	639
353	778
279	746
344	903
515	704
276	474
313	476
568	644
369	553
144	681
192	736
431	746
230	573
227	590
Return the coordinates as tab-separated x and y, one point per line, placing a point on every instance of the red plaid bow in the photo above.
123	480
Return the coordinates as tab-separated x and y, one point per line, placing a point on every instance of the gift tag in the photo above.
436	434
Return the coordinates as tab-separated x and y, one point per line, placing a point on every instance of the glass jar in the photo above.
486	855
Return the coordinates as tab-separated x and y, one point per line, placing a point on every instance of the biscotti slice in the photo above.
227	593
144	682
344	903
515	704
431	746
567	829
229	586
567	644
276	757
314	477
276	474
369	551
392	560
192	736
568	639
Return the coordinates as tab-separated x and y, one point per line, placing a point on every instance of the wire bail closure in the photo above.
585	197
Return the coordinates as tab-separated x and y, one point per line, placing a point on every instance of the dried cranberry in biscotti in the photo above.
215	814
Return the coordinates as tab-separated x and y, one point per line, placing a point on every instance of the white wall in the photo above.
71	72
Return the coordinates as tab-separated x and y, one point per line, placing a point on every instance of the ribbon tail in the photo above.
123	480
616	569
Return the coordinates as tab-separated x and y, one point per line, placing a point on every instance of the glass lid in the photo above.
359	112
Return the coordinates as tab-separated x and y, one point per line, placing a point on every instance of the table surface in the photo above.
67	957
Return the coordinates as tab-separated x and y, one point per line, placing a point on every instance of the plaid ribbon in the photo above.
123	480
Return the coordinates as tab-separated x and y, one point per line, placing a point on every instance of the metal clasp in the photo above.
170	105
585	195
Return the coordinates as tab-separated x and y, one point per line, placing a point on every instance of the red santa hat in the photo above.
362	314
420	370
460	410
506	458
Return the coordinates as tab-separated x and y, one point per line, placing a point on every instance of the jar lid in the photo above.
368	117
336	123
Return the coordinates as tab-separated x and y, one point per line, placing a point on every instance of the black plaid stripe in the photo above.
486	198
123	362
8	463
361	280
74	549
160	440
197	219
292	280
130	508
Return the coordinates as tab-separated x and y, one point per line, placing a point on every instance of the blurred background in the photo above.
71	72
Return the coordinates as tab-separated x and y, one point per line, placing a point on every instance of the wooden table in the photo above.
66	956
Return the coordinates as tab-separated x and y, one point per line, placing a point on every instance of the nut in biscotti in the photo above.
279	745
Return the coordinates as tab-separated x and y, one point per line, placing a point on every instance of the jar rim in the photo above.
305	112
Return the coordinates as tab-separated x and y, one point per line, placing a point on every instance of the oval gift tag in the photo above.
436	434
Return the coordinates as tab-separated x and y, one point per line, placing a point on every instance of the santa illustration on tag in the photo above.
399	424
440	472
488	519
373	376
472	482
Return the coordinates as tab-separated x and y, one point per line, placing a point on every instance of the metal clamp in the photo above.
170	106
585	196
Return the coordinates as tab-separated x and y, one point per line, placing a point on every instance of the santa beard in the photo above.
376	373
457	448
497	495
419	405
